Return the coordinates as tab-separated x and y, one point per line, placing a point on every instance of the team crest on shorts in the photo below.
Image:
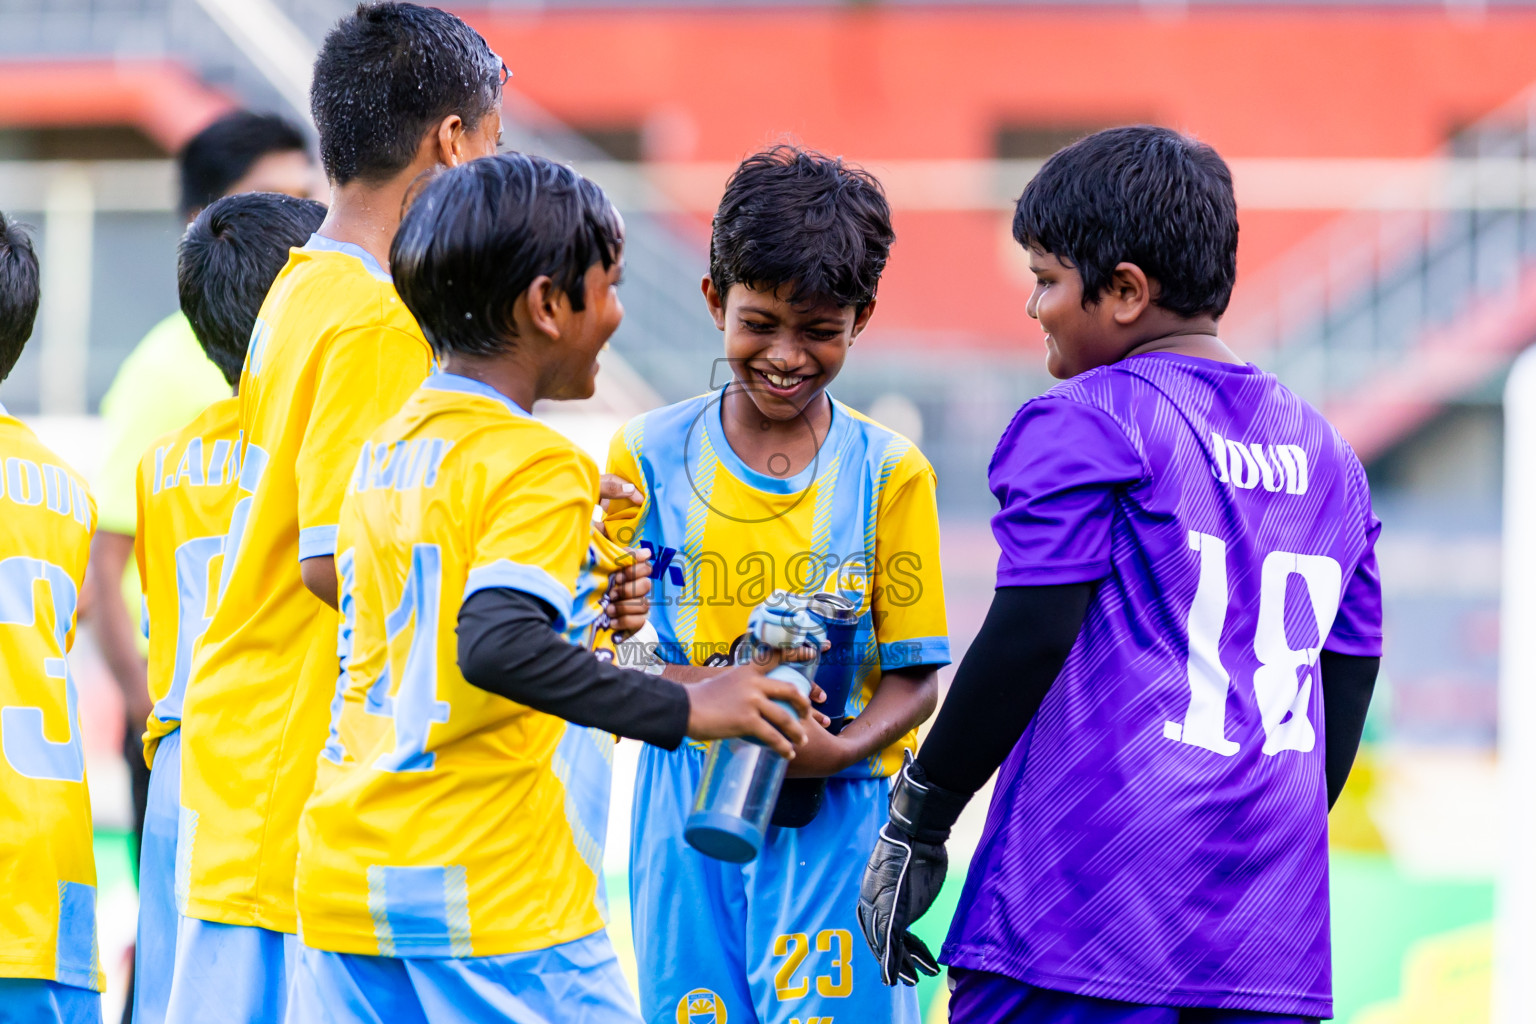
701	1006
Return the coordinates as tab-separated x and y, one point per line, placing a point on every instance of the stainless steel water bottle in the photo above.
839	619
742	777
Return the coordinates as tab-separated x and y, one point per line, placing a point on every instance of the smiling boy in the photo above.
1177	662
769	482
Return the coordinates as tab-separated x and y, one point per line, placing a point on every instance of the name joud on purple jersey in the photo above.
1248	464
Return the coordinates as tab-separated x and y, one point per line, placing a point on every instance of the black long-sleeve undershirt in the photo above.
1348	681
508	646
1017	655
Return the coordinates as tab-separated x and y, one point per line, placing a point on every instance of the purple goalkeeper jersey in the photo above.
1160	832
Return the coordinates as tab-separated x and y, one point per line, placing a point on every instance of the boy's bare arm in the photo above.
113	622
319	576
904	699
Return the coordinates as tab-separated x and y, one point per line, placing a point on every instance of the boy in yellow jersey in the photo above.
161	385
48	963
398	91
767	483
186	492
449	858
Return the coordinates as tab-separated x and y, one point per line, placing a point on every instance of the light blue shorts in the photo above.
773	941
575	983
155	956
34	1001
230	974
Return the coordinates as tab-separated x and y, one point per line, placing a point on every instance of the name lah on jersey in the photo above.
219	464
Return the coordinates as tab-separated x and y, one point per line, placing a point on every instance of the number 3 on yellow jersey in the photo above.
23	736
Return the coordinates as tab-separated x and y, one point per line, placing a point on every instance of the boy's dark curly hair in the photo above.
19	292
389	73
794	217
480	234
1144	195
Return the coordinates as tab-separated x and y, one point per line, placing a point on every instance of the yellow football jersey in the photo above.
447	820
48	915
334	354
186	491
860	521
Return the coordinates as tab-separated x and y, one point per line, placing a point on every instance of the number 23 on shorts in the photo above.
790	982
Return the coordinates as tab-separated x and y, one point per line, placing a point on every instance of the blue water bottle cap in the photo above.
723	836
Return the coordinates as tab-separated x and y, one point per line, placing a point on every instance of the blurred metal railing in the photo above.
188	30
1425	291
666	335
261	50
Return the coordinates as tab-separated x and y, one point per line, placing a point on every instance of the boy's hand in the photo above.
610	487
743	701
823	754
628	601
688	675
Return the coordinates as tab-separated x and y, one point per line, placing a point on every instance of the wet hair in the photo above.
19	292
1142	195
222	153
387	75
478	236
227	261
795	217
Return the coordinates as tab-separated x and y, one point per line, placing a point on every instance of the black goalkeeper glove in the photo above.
905	873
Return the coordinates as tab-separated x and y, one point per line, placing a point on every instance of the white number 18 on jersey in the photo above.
1281	690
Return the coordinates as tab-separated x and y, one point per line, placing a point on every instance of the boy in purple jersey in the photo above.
1176	666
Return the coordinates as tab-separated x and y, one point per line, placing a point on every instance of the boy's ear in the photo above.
862	320
714	300
1129	293
450	141
543	300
